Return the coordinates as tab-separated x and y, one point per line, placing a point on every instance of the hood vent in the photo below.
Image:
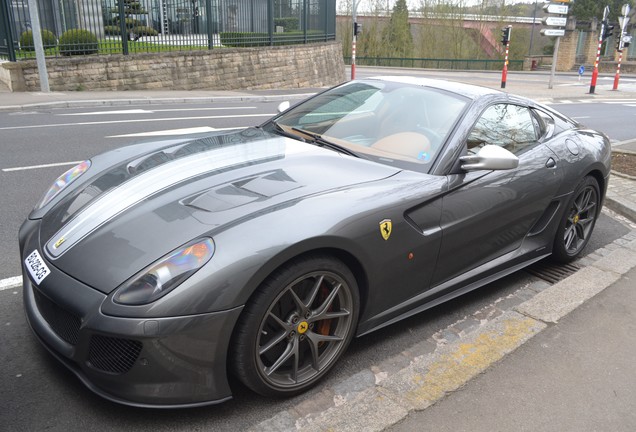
235	194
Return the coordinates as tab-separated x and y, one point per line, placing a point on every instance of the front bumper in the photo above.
157	362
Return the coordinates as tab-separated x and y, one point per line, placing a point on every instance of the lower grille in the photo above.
64	324
113	355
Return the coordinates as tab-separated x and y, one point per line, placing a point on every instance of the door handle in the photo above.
551	163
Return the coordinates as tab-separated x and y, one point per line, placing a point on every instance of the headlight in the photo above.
62	181
166	274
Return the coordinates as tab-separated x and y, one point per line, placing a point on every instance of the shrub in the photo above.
48	40
112	30
78	42
288	23
144	31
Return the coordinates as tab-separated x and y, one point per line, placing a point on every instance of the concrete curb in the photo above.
377	398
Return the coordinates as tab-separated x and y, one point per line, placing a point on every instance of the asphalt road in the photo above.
37	393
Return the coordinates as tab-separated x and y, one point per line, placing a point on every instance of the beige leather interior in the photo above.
401	144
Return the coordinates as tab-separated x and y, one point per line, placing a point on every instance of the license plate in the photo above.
36	266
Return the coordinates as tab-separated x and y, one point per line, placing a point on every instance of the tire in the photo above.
578	221
296	326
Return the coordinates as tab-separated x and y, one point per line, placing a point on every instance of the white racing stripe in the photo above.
153	181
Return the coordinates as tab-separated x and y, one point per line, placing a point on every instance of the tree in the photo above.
396	36
586	10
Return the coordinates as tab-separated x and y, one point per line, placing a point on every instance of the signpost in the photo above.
553	32
555	21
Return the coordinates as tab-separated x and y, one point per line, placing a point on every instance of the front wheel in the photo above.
578	221
296	326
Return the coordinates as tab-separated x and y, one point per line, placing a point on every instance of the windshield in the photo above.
393	123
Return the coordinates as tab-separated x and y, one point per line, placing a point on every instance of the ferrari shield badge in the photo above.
386	226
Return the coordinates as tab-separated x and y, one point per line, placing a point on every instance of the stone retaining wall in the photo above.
296	66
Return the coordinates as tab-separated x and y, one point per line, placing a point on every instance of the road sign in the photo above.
555	21
556	9
553	32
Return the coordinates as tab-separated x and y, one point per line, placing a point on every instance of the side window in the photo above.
509	126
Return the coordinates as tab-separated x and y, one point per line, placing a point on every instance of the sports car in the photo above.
157	270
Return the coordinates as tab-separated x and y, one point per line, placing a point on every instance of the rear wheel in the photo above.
578	221
296	326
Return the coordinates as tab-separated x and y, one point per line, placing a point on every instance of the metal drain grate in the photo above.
550	272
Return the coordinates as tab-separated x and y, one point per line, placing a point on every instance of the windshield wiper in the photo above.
321	142
281	131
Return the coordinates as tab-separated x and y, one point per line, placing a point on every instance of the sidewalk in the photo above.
560	360
577	375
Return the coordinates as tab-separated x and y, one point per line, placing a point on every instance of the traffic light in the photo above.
608	30
357	28
505	35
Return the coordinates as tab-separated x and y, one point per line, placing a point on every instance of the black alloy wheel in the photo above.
296	327
578	222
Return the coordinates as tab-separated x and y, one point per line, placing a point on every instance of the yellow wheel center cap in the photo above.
303	327
576	219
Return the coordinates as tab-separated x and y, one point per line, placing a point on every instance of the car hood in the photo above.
135	205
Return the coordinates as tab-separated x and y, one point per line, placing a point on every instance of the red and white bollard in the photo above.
618	70
504	72
595	71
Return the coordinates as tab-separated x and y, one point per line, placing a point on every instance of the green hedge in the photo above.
288	23
137	31
48	40
144	31
78	42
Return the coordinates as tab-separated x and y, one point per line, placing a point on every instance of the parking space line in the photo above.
9	283
24	168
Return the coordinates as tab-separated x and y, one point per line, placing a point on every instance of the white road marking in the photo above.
12	282
24	168
172	132
41	126
145	111
581	117
132	111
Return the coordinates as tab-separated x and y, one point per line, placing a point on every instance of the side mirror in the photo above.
283	106
490	157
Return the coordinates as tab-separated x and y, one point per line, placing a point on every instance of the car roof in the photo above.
467	90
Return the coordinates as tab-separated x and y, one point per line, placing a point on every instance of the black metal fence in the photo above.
84	27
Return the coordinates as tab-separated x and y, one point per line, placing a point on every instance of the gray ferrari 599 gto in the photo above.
156	270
